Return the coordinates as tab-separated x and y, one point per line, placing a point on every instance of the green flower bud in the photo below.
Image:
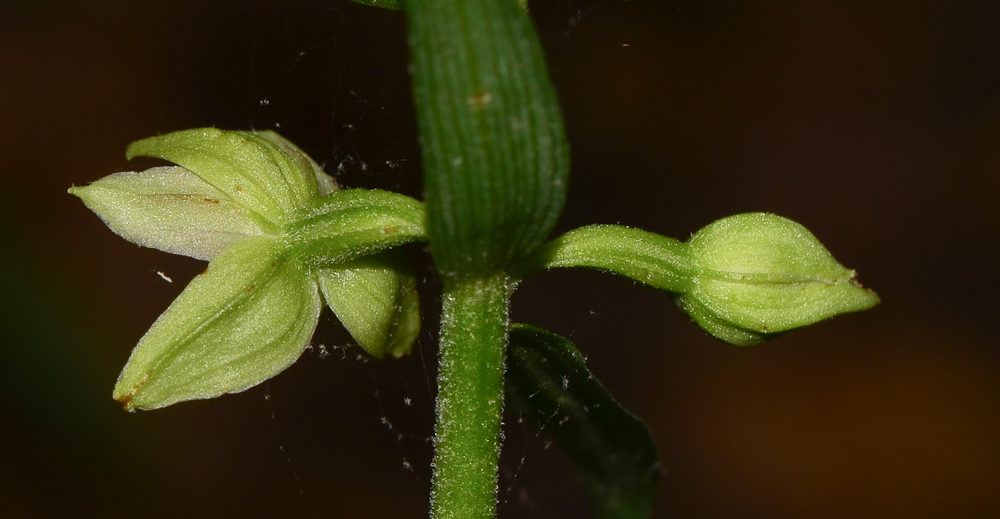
743	279
760	274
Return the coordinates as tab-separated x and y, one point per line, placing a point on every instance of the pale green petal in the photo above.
395	5
252	170
375	298
243	321
324	182
170	209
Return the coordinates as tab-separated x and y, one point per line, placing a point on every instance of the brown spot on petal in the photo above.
126	399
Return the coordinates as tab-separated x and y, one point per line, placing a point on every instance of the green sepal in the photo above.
171	209
375	298
351	223
494	149
761	274
242	321
325	184
251	169
660	262
548	381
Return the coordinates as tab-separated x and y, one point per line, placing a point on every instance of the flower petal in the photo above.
170	209
243	321
251	169
375	298
324	182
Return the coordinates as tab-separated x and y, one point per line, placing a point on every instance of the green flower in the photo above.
281	240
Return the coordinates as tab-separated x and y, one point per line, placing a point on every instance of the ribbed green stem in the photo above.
474	328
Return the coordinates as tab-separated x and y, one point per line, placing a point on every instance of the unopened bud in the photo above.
760	274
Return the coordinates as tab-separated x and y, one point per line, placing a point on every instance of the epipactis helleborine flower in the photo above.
281	240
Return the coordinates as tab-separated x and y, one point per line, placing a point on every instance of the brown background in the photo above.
875	124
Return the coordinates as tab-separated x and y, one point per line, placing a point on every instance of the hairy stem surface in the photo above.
470	398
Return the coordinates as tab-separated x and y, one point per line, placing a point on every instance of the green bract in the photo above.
743	279
281	239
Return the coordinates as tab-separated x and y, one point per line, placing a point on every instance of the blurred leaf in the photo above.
495	156
398	4
548	380
385	4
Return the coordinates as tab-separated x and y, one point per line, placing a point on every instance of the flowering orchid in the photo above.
281	239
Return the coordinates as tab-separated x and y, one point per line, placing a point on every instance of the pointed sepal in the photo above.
324	182
251	169
170	209
244	320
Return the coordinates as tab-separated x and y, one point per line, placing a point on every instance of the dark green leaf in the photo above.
494	149
385	4
548	380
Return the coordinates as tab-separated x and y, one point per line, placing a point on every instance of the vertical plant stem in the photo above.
474	328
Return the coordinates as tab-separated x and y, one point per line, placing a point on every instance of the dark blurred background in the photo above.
875	124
